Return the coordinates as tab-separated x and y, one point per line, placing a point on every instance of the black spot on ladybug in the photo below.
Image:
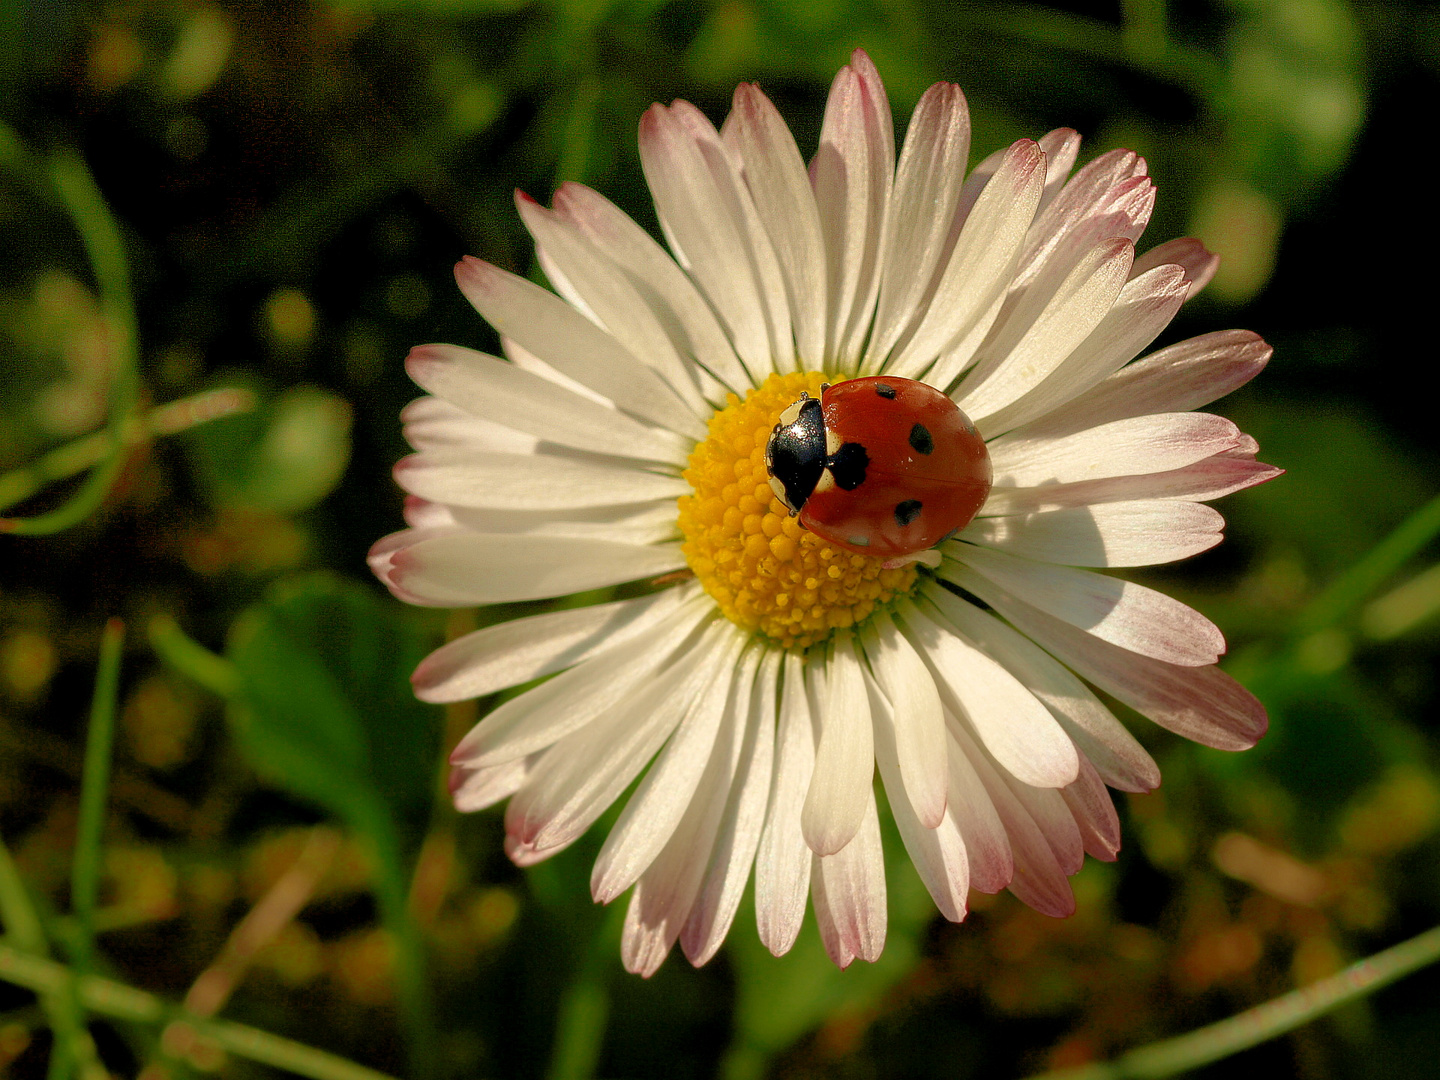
885	390
920	439
847	465
907	511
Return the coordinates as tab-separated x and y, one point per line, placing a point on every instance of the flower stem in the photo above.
1264	1022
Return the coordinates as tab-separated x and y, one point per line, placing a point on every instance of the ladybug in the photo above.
879	466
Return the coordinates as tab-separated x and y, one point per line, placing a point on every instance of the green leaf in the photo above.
283	457
325	712
326	708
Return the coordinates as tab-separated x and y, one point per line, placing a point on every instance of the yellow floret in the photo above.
768	574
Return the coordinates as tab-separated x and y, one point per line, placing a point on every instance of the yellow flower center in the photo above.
767	573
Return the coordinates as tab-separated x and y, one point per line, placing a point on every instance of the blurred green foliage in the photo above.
288	186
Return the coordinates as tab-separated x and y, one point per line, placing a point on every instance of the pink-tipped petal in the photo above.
845	757
1198	263
1201	703
782	863
1094	813
1109	609
1112	534
848	889
919	725
1176	379
564	338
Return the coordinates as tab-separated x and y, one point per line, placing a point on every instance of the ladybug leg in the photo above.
930	558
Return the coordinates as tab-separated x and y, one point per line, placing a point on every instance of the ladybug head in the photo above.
795	455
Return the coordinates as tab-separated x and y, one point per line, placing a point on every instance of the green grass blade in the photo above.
1264	1022
1352	588
121	1002
94	795
71	181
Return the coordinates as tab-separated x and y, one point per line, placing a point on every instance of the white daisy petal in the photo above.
852	175
780	187
712	226
1008	719
526	360
578	696
844	757
1121	612
460	568
782	863
609	296
981	265
666	896
1097	202
1094	813
1210	478
654	811
528	481
1140	444
1061	148
1111	534
1144	307
739	835
1050	813
1198	262
1042	332
671	294
987	846
1101	738
1177	379
938	851
423	514
1038	879
578	778
918	234
517	651
476	789
640	524
559	335
919	725
1201	703
848	889
434	424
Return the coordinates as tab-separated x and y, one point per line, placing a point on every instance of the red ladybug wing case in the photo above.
927	472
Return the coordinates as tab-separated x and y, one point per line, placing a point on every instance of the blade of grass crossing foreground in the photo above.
121	1002
1264	1022
94	795
74	1050
1352	588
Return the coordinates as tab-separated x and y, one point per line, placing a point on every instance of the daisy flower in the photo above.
757	675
